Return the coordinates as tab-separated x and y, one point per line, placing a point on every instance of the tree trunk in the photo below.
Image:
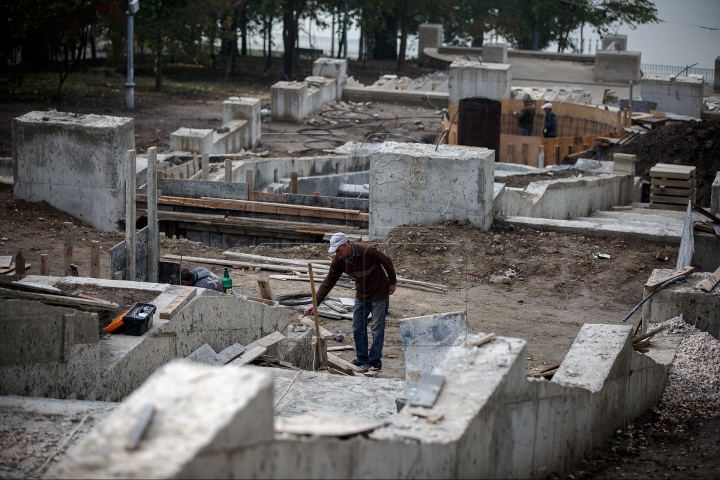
243	32
289	33
158	47
269	41
386	39
405	26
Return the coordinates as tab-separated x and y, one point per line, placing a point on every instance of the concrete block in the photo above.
244	108
225	409
199	188
707	251
197	140
681	95
715	195
617	43
288	100
624	164
67	160
617	67
697	307
471	79
430	35
206	355
6	168
332	68
47	351
494	52
414	183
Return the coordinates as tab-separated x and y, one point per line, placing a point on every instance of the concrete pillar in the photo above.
193	140
130	245
288	101
616	43
75	163
332	68
494	53
716	83
681	95
470	79
243	108
205	175
429	35
153	255
419	184
617	67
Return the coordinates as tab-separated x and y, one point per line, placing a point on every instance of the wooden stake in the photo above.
228	170
293	182
94	259
541	157
44	270
618	124
265	291
67	248
19	263
249	179
205	167
130	218
557	154
153	255
315	312
525	153
511	148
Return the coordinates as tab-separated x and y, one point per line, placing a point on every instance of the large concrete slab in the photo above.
414	183
681	95
617	67
76	163
470	79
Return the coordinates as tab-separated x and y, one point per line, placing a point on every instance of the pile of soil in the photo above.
522	181
694	144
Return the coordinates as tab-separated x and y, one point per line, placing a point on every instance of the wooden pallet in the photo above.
671	186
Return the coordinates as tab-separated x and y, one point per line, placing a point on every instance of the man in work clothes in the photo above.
368	266
526	116
550	125
201	278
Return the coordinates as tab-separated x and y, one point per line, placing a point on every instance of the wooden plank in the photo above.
234	263
654	197
264	286
231	353
687	242
327	424
67	248
654	284
94	259
427	390
340	348
140	428
177	303
665	206
342	365
58	300
709	283
676	192
266	197
248	356
324	332
317	264
267	341
678	172
262	300
705	213
673	183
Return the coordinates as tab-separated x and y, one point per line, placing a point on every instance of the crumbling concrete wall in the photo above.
47	351
564	199
414	183
470	79
75	163
681	95
617	67
617	43
495	423
698	308
272	170
332	68
293	101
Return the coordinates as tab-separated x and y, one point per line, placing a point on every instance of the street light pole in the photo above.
133	7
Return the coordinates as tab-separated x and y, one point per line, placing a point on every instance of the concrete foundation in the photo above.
114	366
293	101
421	183
495	421
66	160
471	79
564	199
698	308
681	95
243	108
332	68
707	251
617	67
495	53
429	35
617	43
239	136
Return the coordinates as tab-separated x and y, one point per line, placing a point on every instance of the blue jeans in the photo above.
526	132
377	327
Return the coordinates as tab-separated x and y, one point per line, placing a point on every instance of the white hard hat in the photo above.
547	105
337	240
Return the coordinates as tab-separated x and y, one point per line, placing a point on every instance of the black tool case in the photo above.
139	319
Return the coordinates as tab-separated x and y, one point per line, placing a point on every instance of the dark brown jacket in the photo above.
526	117
371	282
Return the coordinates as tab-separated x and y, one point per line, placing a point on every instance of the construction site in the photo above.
557	313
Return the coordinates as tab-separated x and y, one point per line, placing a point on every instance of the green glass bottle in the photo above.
227	282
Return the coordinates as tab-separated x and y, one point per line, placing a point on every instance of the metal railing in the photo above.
707	73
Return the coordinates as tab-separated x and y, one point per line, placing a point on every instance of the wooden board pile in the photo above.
671	186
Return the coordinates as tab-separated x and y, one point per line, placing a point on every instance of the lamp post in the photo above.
133	7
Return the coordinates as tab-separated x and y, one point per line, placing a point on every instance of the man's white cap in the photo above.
547	105
337	240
